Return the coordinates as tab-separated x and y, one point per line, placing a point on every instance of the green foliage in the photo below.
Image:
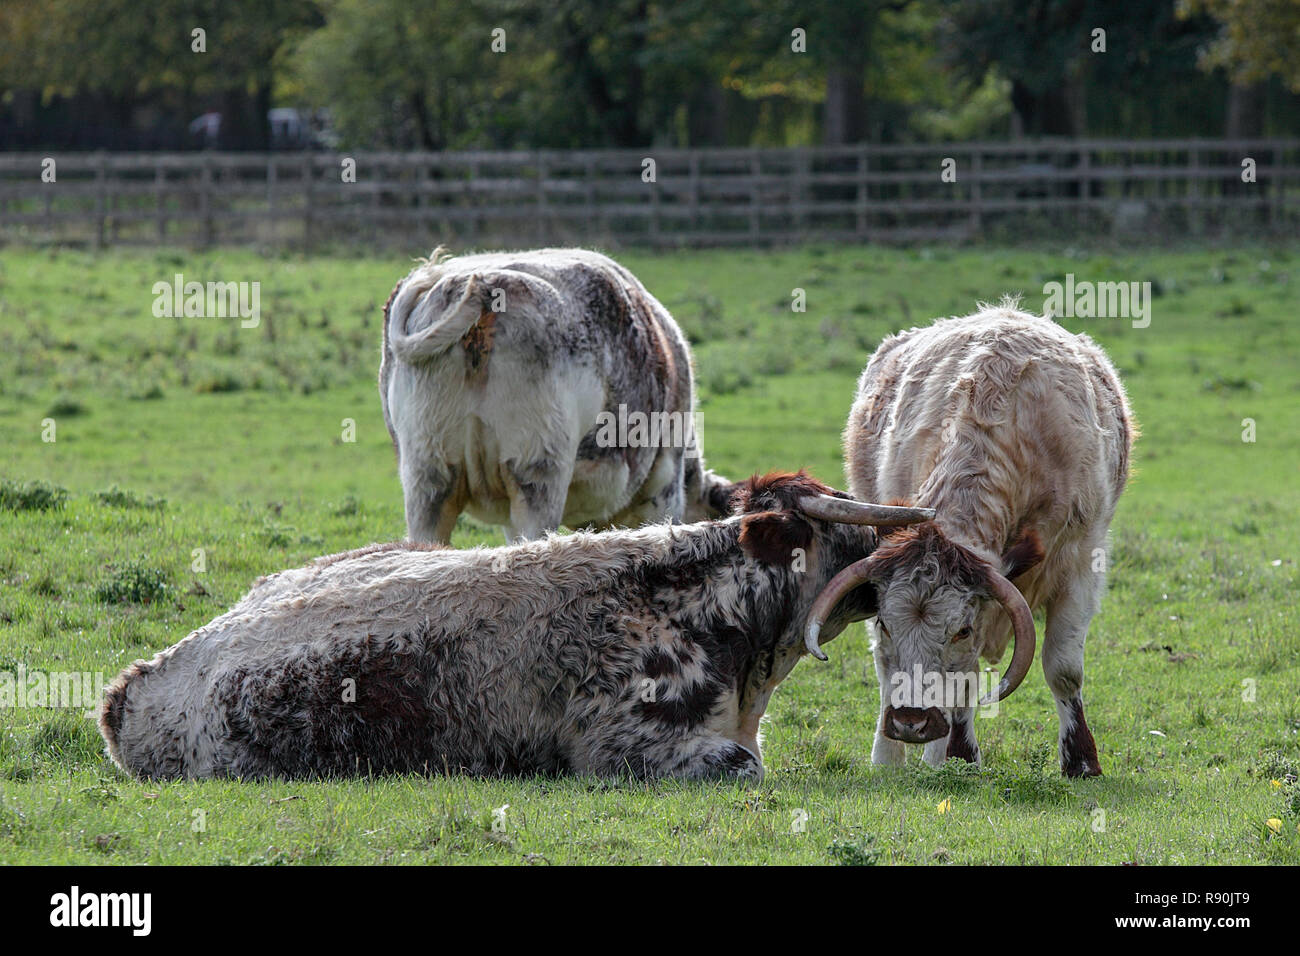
67	739
593	73
1275	764
115	497
860	851
31	496
1256	38
65	406
133	583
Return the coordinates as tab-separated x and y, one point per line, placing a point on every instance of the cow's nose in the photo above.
915	726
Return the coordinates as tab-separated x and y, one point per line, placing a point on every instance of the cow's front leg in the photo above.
701	755
714	757
959	743
884	750
1068	617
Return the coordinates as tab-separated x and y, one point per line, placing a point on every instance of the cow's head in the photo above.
795	521
928	592
709	496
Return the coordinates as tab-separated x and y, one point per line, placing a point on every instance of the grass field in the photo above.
184	443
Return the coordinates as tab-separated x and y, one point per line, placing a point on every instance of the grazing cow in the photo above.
651	651
535	389
1018	434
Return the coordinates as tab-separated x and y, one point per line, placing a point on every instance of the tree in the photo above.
128	53
1144	82
1256	39
396	73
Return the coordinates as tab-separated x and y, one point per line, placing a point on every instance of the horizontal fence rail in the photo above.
656	197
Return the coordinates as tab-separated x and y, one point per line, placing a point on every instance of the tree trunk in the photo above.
261	127
845	119
1245	118
706	115
424	129
1048	113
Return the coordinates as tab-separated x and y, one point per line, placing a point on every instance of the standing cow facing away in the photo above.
535	389
652	651
1018	434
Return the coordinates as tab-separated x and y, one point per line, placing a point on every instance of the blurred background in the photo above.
423	74
493	121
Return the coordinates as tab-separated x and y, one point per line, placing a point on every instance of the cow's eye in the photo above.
883	630
961	635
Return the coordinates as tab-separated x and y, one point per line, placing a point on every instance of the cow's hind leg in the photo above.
433	499
537	496
661	497
1068	617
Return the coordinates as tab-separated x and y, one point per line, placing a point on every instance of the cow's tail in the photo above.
114	709
416	327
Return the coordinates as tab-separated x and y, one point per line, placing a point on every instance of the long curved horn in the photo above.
844	582
848	511
1022	619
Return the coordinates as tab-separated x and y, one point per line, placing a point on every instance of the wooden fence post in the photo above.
654	206
1085	188
272	176
863	229
101	197
160	199
695	192
1275	188
308	173
205	200
543	230
800	195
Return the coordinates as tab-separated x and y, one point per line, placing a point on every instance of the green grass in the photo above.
192	455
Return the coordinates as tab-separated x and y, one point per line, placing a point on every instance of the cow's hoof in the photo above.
1081	770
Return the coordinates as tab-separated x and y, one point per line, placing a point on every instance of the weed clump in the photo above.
115	497
133	583
859	852
31	496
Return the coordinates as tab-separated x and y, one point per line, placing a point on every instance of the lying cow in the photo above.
535	389
1018	434
651	652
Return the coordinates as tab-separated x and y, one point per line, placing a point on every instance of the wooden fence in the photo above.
961	191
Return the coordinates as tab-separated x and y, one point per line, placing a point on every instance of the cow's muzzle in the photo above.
912	725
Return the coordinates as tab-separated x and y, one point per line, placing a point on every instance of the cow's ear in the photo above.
1023	555
774	537
884	532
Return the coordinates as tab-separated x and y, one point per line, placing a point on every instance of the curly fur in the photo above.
653	651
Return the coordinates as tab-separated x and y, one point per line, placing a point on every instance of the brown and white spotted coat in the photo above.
652	652
1018	434
495	369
